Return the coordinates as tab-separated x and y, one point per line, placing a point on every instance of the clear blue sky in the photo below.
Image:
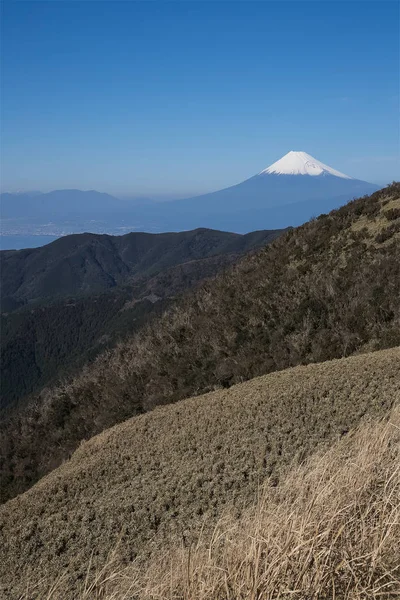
177	98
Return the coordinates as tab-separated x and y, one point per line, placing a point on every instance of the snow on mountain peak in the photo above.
301	163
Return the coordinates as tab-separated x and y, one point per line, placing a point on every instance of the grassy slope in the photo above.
329	530
176	468
327	289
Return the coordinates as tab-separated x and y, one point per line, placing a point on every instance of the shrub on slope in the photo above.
327	289
174	470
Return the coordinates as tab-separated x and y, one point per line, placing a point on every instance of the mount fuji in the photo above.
287	193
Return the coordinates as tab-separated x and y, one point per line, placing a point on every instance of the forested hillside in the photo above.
55	332
328	289
91	263
40	345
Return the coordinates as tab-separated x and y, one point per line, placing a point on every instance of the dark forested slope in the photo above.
52	336
328	289
88	262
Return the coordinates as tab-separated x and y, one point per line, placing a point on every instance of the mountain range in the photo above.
327	289
59	204
287	193
226	463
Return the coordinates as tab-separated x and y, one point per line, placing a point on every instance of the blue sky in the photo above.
177	98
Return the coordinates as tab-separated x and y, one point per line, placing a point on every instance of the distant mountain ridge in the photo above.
92	263
287	193
59	204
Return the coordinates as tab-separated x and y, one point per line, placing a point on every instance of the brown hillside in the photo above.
173	470
328	289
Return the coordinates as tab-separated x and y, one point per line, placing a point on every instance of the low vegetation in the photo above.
170	474
324	290
331	529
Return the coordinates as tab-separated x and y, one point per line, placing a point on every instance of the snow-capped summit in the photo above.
289	192
301	163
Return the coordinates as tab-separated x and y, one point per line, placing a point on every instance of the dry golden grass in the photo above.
170	475
380	222
331	529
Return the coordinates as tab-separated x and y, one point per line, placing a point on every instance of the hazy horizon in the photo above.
156	197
